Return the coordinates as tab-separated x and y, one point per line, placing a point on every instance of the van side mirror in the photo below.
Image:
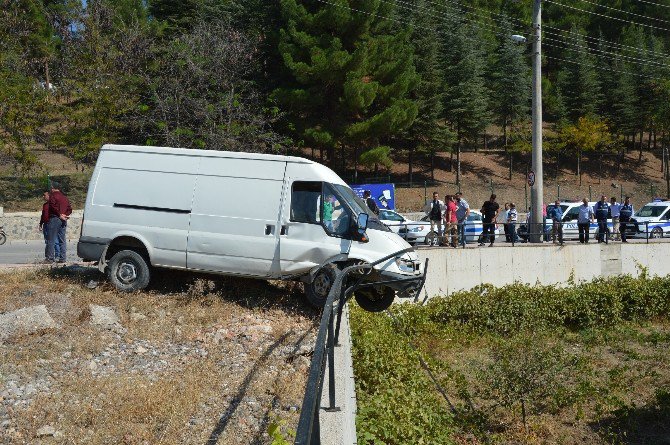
361	226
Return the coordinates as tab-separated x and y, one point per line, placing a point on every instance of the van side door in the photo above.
235	213
314	226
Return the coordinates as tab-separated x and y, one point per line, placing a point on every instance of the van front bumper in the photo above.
90	248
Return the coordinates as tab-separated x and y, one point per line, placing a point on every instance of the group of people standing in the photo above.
452	213
56	210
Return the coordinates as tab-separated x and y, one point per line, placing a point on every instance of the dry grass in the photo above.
206	377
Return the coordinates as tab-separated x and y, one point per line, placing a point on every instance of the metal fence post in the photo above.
425	192
331	366
590	196
558	195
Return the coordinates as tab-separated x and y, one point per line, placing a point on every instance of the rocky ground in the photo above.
199	361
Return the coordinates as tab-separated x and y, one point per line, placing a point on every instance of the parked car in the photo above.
653	217
243	214
419	232
393	219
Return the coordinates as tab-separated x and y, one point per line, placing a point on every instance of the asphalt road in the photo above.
29	252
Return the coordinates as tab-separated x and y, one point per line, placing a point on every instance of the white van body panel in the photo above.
234	218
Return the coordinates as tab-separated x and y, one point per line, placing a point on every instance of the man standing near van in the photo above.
462	213
615	209
584	220
489	214
59	212
556	215
372	205
44	225
602	211
435	211
625	214
450	221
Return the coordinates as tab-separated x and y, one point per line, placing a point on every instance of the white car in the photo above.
394	220
419	232
653	218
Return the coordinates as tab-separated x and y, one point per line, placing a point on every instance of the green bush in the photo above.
517	307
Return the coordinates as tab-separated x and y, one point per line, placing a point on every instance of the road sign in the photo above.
531	178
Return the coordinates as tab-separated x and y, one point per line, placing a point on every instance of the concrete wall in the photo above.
451	270
24	225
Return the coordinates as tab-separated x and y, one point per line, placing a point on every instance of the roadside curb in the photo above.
339	428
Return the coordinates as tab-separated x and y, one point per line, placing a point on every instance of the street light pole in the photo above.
537	186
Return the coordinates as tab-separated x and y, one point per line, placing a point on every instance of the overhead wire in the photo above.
466	19
624	12
652	3
630	22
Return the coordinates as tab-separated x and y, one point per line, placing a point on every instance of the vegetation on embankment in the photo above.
519	364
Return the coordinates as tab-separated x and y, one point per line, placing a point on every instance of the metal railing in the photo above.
517	232
309	424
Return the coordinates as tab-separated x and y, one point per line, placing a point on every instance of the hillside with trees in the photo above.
368	87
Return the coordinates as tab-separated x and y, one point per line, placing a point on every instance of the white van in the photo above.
252	215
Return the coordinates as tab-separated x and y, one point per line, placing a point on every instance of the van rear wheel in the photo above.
317	291
375	299
128	271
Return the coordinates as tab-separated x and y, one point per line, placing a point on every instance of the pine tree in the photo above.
426	134
466	98
511	85
349	75
578	81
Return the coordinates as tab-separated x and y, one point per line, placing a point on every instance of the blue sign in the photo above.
383	194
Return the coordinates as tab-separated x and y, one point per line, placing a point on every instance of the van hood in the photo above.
380	244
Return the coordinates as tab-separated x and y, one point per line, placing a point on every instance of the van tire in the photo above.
317	291
374	299
128	271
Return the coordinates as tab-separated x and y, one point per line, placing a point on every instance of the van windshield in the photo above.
651	211
349	197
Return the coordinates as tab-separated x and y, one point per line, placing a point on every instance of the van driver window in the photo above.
335	218
305	202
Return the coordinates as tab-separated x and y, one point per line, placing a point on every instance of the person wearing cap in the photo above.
59	212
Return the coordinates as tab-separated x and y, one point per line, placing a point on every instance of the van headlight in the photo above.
404	265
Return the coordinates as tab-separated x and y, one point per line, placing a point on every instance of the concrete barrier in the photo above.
451	270
25	225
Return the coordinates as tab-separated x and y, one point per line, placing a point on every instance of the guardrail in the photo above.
459	234
309	425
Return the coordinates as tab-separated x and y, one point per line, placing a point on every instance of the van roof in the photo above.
204	153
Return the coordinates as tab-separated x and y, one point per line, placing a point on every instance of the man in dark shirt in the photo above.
489	214
372	205
602	210
59	212
44	225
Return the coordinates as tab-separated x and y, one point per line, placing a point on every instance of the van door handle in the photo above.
269	229
283	230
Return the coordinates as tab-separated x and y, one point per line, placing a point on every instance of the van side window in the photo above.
336	219
305	202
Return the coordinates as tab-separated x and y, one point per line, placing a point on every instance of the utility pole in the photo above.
537	186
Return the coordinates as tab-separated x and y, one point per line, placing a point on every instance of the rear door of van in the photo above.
235	214
146	196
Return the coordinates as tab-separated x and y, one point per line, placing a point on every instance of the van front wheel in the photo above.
128	271
375	299
317	291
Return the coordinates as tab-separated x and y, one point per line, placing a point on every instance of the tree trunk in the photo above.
343	159
331	156
511	164
558	164
356	164
47	77
458	162
641	142
632	144
410	158
486	142
451	161
321	154
505	135
432	165
579	166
